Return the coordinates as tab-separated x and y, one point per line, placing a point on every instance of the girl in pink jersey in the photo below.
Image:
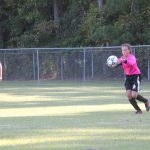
133	78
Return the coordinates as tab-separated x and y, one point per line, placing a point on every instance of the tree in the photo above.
4	13
56	11
101	3
33	23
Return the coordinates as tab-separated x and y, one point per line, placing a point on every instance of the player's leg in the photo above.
144	100
133	102
128	87
135	92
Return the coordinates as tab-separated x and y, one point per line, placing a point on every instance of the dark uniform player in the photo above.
133	78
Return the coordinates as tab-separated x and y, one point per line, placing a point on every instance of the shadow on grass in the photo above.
98	129
55	94
70	116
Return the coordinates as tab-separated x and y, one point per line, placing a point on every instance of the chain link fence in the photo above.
87	63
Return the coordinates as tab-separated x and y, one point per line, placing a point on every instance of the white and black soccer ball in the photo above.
112	61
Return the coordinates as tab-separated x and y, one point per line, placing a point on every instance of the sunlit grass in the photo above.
71	116
62	110
77	134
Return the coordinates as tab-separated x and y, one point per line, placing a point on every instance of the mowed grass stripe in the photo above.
71	115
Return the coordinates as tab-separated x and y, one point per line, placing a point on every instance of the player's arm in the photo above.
130	61
121	60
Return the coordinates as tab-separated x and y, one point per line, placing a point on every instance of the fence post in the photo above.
38	67
1	72
33	64
92	67
148	65
148	70
134	50
84	64
62	68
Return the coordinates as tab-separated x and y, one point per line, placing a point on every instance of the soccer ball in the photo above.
112	61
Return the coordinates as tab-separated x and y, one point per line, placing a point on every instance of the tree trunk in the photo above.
101	3
134	6
56	12
1	38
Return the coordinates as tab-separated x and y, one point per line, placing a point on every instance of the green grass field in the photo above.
69	115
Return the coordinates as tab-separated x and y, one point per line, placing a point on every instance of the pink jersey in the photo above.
130	67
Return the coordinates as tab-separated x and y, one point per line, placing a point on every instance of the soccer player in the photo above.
133	78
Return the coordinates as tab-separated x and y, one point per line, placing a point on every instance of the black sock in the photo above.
134	104
141	98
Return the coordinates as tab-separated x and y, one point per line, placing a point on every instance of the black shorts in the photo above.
133	82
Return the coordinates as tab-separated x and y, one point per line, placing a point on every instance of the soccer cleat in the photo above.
147	105
138	112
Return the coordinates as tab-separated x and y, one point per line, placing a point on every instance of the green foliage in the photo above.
81	23
32	23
